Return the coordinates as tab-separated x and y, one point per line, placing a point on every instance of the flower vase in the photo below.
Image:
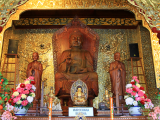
21	112
135	111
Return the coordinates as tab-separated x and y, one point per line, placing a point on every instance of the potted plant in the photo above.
8	113
23	96
5	92
136	99
155	115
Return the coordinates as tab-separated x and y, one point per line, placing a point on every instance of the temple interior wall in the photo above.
40	40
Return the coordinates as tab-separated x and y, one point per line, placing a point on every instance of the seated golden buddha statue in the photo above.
75	63
79	97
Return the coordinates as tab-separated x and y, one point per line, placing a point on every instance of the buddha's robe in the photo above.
118	78
37	74
80	67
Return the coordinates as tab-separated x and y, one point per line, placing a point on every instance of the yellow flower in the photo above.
138	85
19	102
126	96
16	93
27	82
33	94
23	96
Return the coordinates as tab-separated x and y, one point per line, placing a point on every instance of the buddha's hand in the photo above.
82	70
68	59
119	67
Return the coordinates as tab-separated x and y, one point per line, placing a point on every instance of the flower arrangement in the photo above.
156	110
156	113
24	94
136	95
8	114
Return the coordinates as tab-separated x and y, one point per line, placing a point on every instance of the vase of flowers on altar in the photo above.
23	96
136	99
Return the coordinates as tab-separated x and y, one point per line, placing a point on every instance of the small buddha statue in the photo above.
79	97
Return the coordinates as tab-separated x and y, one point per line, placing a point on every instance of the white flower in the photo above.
33	94
33	87
136	95
138	85
151	105
9	107
146	105
135	103
27	82
128	86
23	96
126	96
129	101
16	93
19	102
132	80
30	99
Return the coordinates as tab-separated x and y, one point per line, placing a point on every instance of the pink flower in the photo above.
16	99
150	114
154	116
6	115
12	96
28	86
14	117
129	90
157	110
142	98
134	77
138	98
32	91
137	80
146	105
140	93
148	100
133	93
135	87
31	78
26	79
26	92
24	102
20	90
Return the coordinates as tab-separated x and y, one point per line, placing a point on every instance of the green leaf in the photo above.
1	101
5	82
8	89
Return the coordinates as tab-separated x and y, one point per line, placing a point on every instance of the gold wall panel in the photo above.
32	41
40	40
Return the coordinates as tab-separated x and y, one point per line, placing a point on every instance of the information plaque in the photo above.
86	111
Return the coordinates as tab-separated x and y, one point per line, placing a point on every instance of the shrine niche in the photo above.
75	48
79	93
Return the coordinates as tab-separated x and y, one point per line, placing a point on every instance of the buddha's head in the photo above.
35	56
75	39
79	89
117	56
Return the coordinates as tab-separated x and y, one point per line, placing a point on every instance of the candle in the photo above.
50	109
111	108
